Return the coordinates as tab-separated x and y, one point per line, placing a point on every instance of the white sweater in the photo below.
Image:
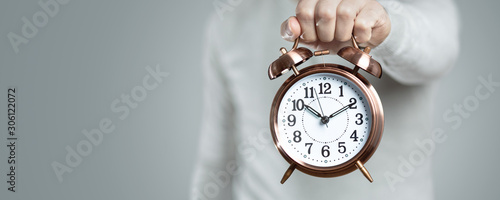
237	158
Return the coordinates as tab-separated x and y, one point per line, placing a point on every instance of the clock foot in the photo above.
288	173
364	171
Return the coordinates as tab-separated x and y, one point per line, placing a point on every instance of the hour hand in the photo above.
310	109
340	110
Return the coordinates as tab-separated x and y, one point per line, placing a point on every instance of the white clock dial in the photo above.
323	120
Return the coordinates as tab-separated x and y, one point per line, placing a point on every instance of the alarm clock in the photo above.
326	119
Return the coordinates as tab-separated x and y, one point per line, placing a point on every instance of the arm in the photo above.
216	143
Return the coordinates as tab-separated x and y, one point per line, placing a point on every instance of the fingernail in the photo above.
286	31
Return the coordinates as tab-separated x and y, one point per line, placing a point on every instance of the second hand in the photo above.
322	114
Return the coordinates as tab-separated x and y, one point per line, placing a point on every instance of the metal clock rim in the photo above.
376	128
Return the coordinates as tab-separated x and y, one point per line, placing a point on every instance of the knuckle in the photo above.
362	25
344	12
326	13
304	14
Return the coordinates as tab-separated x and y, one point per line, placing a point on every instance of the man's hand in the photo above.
328	24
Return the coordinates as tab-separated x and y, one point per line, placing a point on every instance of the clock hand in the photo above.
324	119
313	111
340	110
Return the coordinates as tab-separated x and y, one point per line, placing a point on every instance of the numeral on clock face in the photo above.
309	92
327	87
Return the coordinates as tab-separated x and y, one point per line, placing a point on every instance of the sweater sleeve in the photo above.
423	43
216	148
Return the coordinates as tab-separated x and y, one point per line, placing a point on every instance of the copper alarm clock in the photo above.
326	119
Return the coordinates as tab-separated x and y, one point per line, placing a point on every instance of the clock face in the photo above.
323	120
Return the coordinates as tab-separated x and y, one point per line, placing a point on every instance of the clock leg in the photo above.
288	173
364	171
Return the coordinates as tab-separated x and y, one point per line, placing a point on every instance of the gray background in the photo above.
92	52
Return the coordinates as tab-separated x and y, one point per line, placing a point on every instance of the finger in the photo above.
363	24
326	11
346	13
305	14
290	29
372	25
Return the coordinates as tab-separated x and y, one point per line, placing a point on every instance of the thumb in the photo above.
290	29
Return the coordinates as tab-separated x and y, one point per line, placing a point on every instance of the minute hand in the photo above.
340	110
